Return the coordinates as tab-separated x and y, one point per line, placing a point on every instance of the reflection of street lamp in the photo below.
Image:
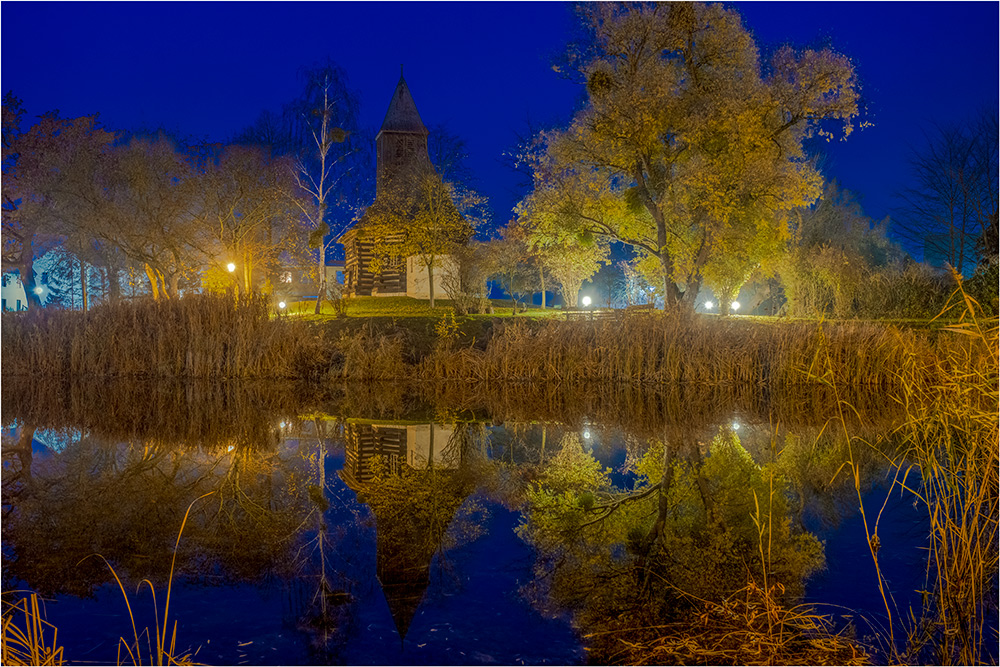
230	267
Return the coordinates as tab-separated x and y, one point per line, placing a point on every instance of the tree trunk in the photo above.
114	285
247	275
321	277
154	284
83	284
27	270
174	290
541	280
430	280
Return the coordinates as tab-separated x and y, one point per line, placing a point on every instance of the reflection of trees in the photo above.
419	510
126	502
210	414
702	522
321	598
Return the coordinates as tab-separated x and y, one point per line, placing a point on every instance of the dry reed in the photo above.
31	642
749	627
951	437
661	350
219	336
201	336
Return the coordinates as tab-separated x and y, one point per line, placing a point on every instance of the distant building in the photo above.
14	297
400	149
298	282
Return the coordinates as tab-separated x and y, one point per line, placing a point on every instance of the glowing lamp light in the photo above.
231	448
282	425
735	306
585	301
230	267
709	305
39	290
736	426
586	435
281	304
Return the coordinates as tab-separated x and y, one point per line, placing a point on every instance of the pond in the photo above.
397	525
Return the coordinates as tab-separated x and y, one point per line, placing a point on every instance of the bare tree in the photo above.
953	203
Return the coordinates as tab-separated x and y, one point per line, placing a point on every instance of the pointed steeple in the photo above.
402	115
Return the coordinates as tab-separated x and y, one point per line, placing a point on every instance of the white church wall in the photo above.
417	284
428	445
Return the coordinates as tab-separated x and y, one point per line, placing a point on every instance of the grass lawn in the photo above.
404	306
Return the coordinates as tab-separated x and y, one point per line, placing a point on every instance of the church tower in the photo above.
401	143
400	155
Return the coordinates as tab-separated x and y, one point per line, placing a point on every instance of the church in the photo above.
400	153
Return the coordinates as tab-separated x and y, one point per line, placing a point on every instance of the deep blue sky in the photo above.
483	69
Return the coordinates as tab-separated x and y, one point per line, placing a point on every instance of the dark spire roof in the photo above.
402	115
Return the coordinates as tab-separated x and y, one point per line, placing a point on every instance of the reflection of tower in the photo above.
417	445
413	507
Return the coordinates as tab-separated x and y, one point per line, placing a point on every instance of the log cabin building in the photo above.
400	152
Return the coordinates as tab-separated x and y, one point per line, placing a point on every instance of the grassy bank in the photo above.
221	337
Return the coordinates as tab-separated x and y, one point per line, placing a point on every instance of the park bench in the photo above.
590	314
637	309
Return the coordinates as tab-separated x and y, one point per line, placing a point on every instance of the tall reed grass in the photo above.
219	336
201	336
951	437
949	461
660	350
26	638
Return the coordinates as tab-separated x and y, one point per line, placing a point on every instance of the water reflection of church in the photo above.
405	548
417	445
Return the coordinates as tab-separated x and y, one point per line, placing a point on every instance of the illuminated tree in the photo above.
549	222
419	215
151	212
687	127
248	205
512	264
319	131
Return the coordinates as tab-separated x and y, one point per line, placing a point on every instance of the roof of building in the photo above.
402	115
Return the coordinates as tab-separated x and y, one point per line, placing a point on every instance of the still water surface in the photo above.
419	531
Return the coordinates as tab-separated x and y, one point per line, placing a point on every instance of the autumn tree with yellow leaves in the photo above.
695	143
421	216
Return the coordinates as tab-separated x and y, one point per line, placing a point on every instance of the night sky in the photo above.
484	70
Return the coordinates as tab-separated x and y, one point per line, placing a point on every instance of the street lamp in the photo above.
709	305
585	301
281	305
735	306
230	267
